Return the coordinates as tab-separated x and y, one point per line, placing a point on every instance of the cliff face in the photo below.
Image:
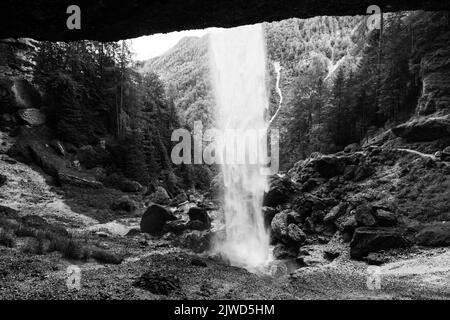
114	20
435	70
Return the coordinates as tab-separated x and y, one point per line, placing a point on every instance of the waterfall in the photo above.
238	70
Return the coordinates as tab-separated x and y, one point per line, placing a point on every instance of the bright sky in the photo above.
148	47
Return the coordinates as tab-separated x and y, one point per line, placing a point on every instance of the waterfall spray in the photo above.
238	69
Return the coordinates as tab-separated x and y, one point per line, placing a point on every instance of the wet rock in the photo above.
364	216
32	116
281	252
385	218
296	234
3	179
160	196
201	215
197	241
124	204
176	227
335	212
158	283
196	225
281	191
268	213
424	129
279	226
435	235
154	219
179	199
367	240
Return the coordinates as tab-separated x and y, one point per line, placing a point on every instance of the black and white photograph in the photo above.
224	152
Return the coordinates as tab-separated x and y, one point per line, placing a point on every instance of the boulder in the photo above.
295	234
160	196
424	129
279	226
363	172
201	215
124	204
445	154
364	216
197	241
3	180
176	227
335	212
329	166
281	252
367	240
154	219
435	235
179	199
280	191
32	116
347	223
385	218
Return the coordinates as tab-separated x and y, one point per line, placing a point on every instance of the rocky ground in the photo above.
314	210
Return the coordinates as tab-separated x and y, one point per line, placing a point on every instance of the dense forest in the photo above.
341	81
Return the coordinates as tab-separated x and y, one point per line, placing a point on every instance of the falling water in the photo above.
238	67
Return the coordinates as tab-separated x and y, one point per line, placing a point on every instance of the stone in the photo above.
335	212
124	204
179	199
346	223
197	241
364	216
8	213
160	196
281	252
349	172
32	116
434	235
176	227
424	129
296	234
201	215
385	218
367	240
3	180
133	232
280	191
363	172
445	155
279	226
329	166
158	283
154	219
